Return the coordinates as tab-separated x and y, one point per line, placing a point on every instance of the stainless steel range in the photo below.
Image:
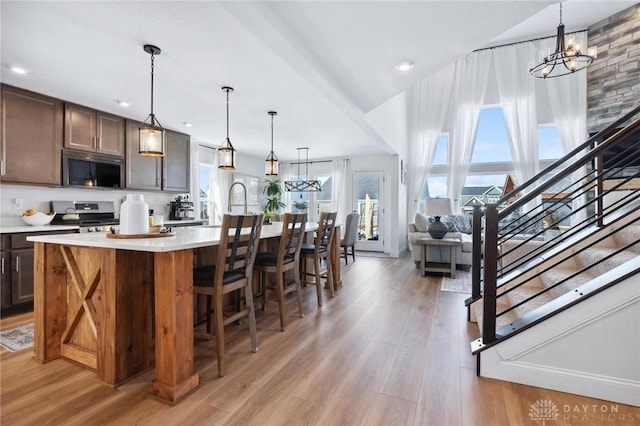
90	216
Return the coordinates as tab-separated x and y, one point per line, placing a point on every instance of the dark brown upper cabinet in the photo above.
169	173
31	137
90	130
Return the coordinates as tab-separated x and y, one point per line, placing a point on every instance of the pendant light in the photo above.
151	133
271	163
226	152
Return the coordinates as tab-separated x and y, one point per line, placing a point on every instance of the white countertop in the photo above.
18	229
182	238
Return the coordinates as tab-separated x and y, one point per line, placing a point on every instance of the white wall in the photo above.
390	121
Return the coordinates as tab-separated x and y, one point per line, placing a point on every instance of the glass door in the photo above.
368	202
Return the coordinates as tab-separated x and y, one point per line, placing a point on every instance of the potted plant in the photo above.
301	205
273	190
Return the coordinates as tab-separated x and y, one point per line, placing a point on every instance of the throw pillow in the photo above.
458	223
421	222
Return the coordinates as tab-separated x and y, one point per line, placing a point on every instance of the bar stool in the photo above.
287	258
320	251
239	237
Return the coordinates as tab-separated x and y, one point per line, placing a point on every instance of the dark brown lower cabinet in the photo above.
16	285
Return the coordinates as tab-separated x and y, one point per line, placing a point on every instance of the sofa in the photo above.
459	227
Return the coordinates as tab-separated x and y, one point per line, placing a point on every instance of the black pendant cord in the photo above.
152	115
271	133
227	114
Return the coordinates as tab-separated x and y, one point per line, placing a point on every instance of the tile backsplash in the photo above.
38	198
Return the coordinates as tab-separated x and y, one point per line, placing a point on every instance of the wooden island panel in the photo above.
95	307
175	376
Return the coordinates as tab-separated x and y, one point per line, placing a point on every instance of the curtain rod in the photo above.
310	162
526	41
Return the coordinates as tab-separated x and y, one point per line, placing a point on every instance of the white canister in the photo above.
134	215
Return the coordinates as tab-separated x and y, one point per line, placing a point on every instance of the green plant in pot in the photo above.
301	205
273	190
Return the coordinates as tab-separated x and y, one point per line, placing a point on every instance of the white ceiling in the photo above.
322	65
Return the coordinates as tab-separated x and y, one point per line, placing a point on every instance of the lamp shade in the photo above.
152	140
227	156
271	167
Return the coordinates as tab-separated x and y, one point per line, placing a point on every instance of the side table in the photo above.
425	266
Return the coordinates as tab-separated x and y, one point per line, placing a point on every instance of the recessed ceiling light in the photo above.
19	70
124	104
404	66
187	124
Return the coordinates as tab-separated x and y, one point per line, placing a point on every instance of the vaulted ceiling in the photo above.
324	66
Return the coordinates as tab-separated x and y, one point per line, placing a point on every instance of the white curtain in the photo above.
470	85
568	98
285	175
518	100
221	185
428	102
340	194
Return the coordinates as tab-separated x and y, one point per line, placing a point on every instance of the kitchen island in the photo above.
119	306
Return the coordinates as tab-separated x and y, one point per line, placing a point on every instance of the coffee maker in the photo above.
181	208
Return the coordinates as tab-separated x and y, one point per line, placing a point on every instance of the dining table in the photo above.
121	306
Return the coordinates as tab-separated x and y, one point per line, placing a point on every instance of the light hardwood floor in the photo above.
389	349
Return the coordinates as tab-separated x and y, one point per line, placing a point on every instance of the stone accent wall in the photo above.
613	80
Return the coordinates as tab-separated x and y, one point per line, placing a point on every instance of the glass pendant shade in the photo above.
152	141
271	167
151	133
227	156
226	152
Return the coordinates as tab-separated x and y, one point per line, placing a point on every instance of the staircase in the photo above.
556	292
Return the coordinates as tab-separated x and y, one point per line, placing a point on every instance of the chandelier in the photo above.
566	59
306	184
151	132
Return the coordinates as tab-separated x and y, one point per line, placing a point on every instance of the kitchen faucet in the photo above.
245	196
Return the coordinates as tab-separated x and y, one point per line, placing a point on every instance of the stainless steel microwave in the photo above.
88	169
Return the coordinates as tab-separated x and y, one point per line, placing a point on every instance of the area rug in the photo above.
460	284
18	338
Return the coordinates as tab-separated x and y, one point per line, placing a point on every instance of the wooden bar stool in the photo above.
318	252
239	237
287	258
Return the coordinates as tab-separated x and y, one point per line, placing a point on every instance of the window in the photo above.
492	139
441	156
206	172
205	190
549	143
436	187
316	201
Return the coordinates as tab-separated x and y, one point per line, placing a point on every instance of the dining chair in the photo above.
278	263
350	234
232	272
320	252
